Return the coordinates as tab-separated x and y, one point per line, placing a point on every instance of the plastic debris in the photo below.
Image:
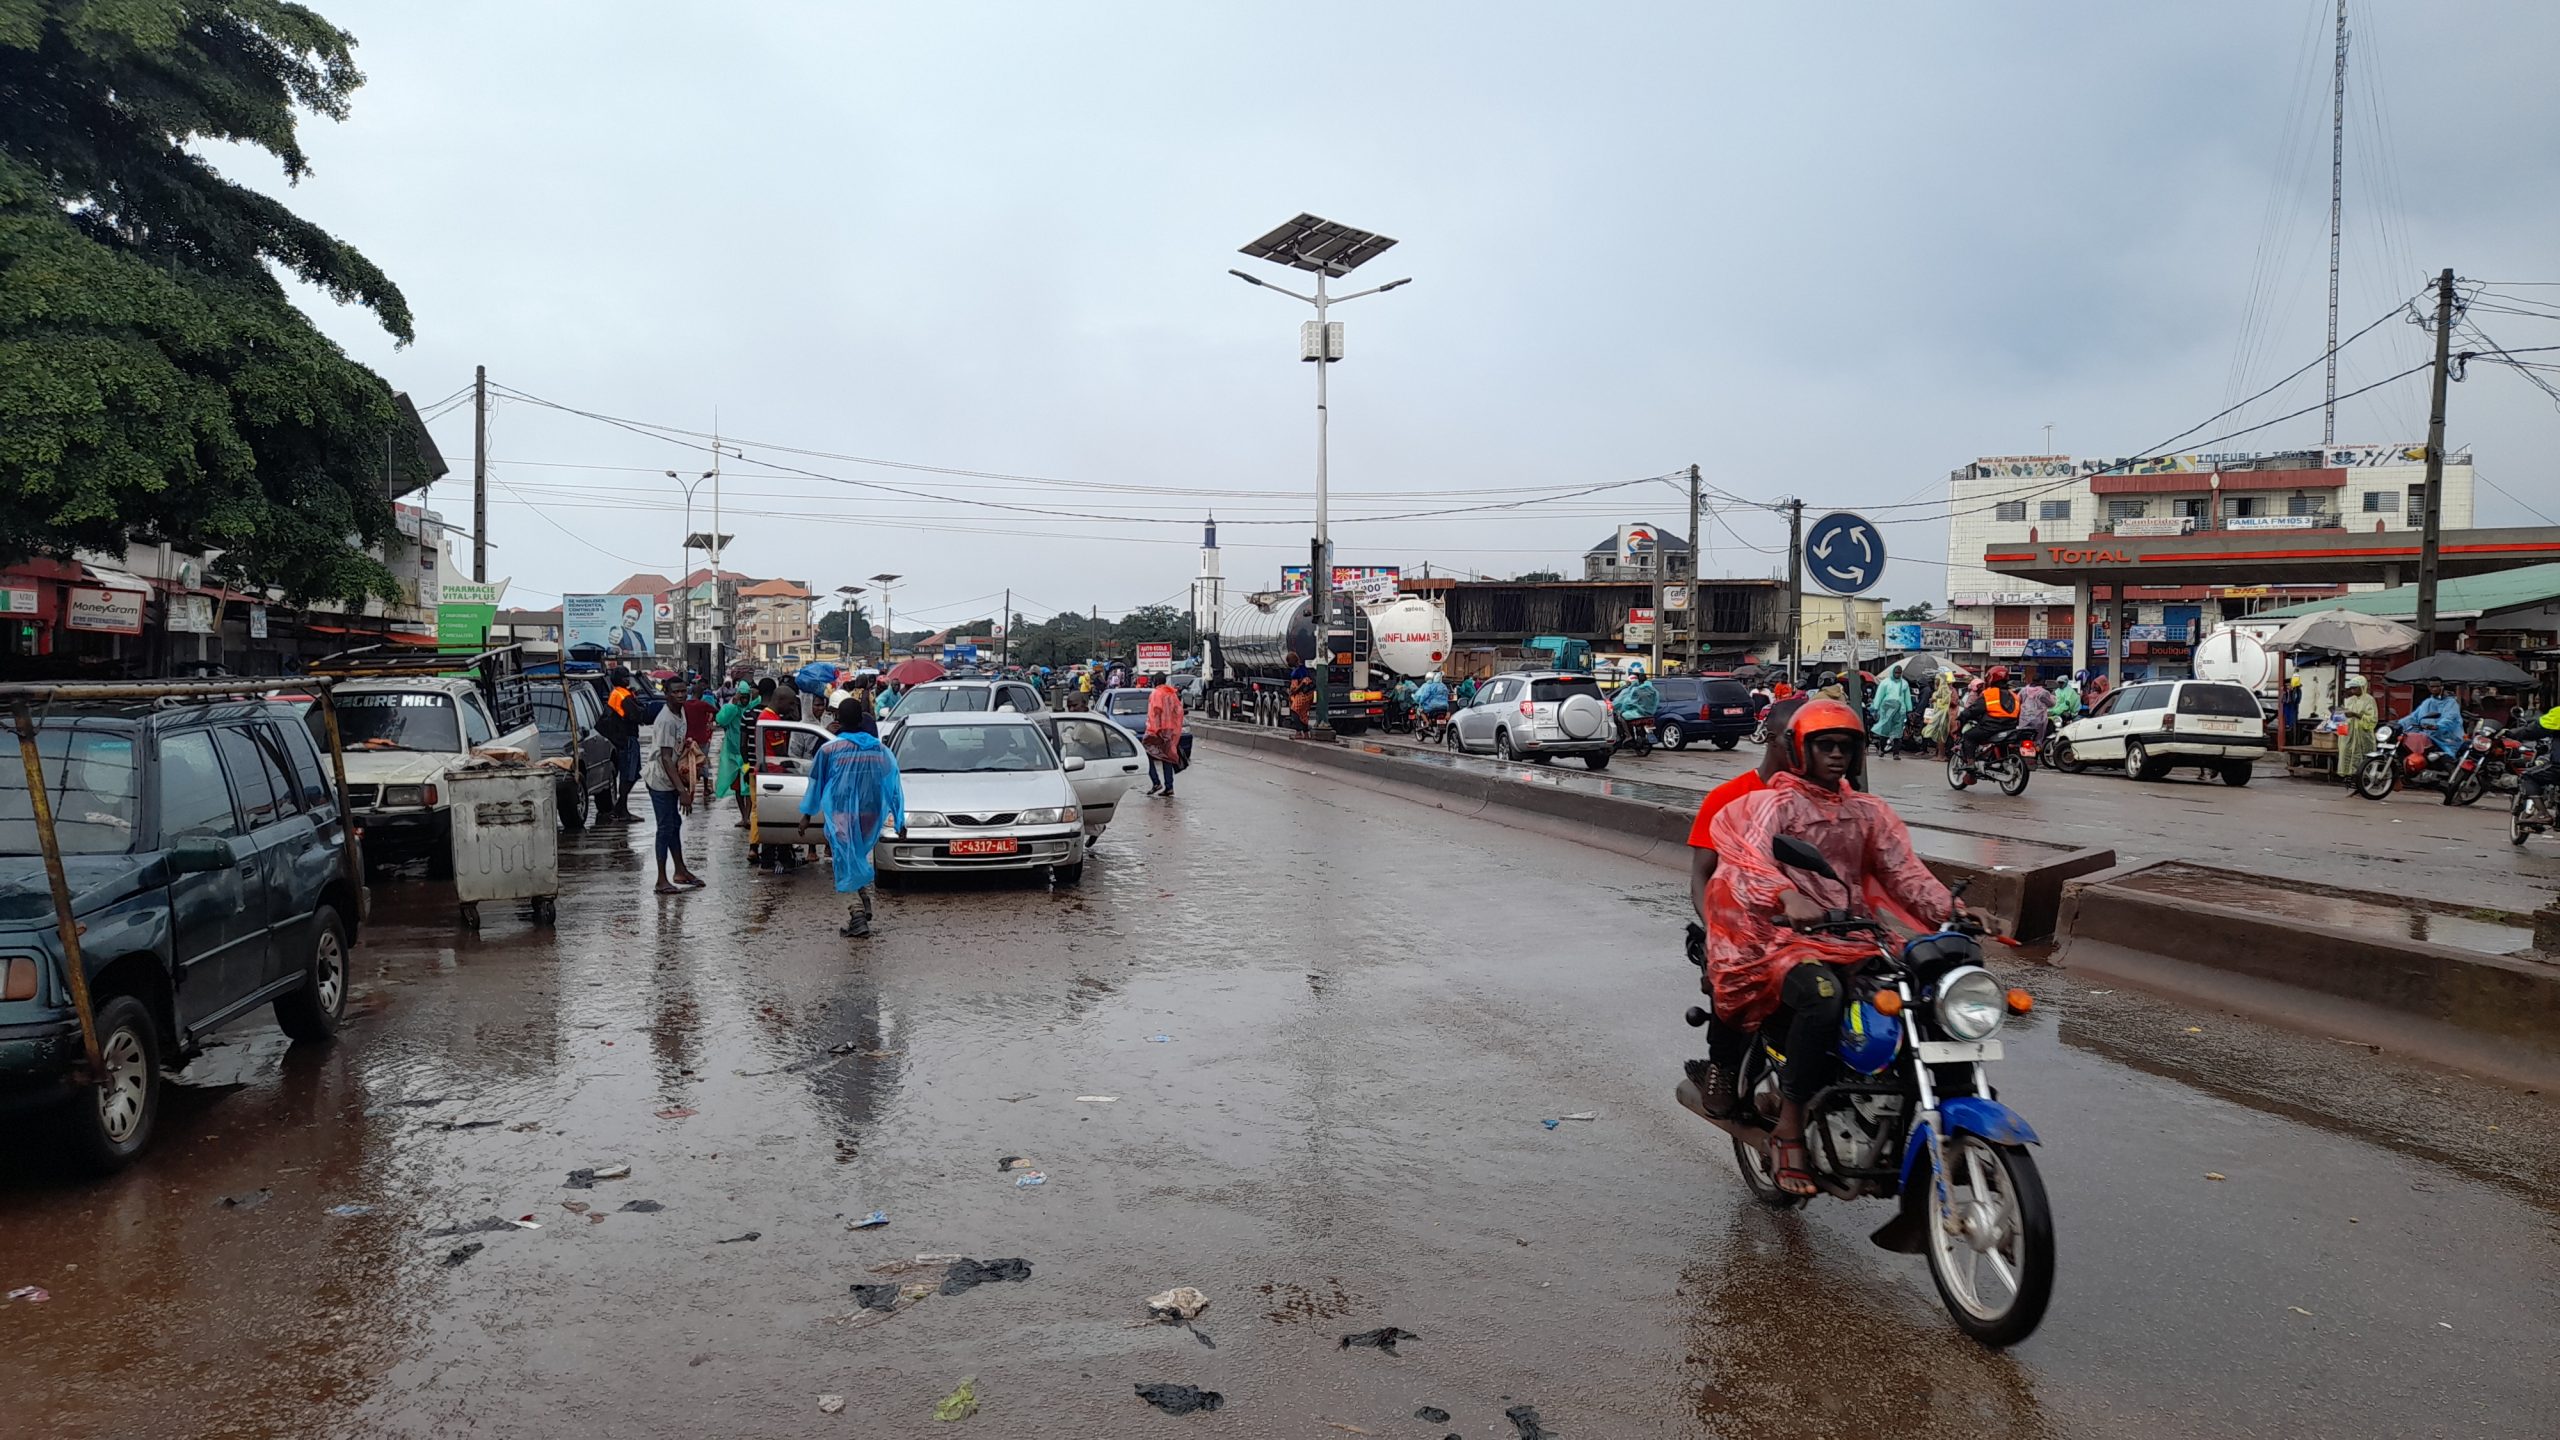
249	1200
641	1207
1432	1414
585	1178
876	1297
2214	1175
2298	1310
37	1295
748	1238
1098	1099
1181	1399
1524	1418
967	1274
1008	1162
1032	1177
677	1112
350	1211
1384	1338
1159	1039
472	1227
960	1404
1551	1124
460	1253
574	1207
830	1404
1182	1302
452	1125
1580	1115
872	1221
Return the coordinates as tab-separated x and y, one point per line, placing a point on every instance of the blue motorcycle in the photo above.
1912	1117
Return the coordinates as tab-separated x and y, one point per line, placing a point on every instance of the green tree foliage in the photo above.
156	383
848	627
1924	610
1537	577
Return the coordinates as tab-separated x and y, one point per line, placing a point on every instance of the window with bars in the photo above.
2127	509
2303	505
2381	502
2418	499
2053	509
2192	507
2010	510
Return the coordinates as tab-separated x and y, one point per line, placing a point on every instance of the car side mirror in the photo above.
199	854
1795	854
1073	763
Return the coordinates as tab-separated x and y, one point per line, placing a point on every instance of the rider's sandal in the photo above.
1793	1164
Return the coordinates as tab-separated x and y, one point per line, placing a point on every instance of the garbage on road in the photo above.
748	1238
1432	1414
1099	1099
876	1297
1032	1177
1524	1418
641	1207
1386	1338
481	1226
1177	1305
30	1294
1181	1399
830	1404
460	1253
585	1178
968	1274
248	1201
872	1221
678	1112
350	1211
960	1404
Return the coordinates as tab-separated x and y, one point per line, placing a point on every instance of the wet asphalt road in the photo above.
1369	1006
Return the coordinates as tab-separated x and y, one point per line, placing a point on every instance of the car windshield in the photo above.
91	783
1125	702
966	749
397	720
936	699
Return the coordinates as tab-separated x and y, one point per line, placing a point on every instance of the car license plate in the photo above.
2226	727
1733	709
993	845
1955	1052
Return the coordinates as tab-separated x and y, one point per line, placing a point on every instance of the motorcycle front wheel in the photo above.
2469	786
2373	782
1991	1251
2517	826
1956	774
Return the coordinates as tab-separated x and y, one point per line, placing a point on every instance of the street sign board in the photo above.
1155	656
1844	553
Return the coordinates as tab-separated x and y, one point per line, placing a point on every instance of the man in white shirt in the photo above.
666	791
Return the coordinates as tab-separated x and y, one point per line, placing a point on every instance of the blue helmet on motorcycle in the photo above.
1869	1038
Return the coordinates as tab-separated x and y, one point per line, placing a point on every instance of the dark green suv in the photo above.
206	858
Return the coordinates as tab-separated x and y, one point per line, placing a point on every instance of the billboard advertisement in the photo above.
463	626
1633	541
617	624
1370	581
1155	656
111	612
1907	636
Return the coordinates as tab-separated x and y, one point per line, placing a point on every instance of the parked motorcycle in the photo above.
2400	757
2007	758
2490	761
1911	1117
2528	819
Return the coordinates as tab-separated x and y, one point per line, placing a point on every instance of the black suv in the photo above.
1693	708
206	858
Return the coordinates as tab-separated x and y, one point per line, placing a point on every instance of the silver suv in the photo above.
1536	715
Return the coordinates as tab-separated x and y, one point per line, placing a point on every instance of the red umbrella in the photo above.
916	671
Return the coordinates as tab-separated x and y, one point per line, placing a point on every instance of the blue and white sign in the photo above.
1844	553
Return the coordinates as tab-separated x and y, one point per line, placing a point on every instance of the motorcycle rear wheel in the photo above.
2013	780
2005	1238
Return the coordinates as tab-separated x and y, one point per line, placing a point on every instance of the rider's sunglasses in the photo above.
1832	744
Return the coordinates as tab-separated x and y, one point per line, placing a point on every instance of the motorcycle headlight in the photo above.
1970	1004
1050	815
924	819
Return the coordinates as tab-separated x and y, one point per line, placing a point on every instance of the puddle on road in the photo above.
2463	932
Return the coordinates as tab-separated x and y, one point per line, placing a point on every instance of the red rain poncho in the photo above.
1747	952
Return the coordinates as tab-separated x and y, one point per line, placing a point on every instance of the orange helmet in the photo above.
1820	717
1999	675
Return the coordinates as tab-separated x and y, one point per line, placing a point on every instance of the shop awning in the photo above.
110	578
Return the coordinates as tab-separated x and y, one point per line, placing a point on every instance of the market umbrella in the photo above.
2458	667
2343	632
1927	664
916	671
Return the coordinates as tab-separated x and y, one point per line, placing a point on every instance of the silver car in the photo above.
984	792
1536	715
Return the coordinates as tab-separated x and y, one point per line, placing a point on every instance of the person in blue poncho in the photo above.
853	782
2438	717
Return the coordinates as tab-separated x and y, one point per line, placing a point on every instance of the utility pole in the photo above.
1004	642
1697	595
1660	551
1795	587
2337	209
480	472
2432	525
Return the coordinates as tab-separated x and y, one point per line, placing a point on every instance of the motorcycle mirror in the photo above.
1793	853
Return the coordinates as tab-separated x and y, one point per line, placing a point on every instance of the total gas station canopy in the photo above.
1311	242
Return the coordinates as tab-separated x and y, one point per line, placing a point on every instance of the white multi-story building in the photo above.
2015	500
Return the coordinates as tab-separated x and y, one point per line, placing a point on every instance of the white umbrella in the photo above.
2343	632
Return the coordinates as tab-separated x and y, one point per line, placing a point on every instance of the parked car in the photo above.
400	736
1191	689
1109	758
2153	727
1111	763
589	782
1720	712
984	792
1128	706
207	866
1537	715
937	696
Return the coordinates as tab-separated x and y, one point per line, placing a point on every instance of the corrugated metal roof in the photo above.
2463	595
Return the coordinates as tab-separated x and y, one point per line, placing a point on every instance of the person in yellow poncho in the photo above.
2356	741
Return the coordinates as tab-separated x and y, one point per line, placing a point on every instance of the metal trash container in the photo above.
506	837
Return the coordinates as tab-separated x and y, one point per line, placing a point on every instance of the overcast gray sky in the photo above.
1830	251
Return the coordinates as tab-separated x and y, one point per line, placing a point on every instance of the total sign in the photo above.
1844	553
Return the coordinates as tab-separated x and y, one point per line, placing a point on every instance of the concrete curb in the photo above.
2021	902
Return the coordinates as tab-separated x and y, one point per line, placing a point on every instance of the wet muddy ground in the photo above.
1365	1008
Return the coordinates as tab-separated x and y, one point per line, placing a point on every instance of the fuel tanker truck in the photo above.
1374	644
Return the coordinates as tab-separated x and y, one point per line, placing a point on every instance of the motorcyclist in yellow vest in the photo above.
1988	712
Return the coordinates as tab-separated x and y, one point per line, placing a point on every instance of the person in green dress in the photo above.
732	723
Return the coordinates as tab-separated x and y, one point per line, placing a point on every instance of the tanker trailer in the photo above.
1248	667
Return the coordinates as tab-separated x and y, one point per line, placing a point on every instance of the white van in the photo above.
2152	727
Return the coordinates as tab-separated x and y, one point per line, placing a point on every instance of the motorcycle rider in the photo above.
1431	699
1637	701
1988	712
2531	780
1795	986
1726	1039
2438	717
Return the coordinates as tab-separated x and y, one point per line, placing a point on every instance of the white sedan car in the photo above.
985	791
1109	755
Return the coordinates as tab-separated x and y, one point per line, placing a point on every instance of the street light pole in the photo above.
1330	250
888	615
684	614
